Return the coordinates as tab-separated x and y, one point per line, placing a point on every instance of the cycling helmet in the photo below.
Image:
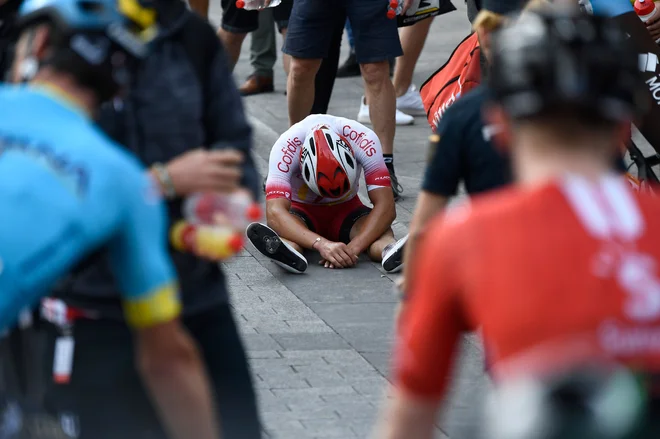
549	62
327	163
107	35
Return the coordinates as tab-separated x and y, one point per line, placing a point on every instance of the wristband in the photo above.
165	180
316	241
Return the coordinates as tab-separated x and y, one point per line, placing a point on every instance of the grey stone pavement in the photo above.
319	343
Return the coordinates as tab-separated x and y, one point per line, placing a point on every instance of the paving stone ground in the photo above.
319	343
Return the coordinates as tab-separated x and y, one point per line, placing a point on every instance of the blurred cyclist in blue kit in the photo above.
67	190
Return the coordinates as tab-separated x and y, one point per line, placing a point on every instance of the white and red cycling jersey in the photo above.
284	177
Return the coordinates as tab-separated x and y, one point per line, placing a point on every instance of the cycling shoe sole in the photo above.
270	245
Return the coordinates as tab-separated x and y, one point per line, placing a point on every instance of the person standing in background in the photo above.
413	38
308	42
325	77
237	23
263	49
408	100
175	119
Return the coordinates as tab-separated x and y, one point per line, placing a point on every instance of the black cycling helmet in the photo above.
107	36
549	62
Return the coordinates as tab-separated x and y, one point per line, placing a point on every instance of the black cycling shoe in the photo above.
393	255
270	245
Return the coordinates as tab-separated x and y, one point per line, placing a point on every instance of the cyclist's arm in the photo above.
369	154
427	336
283	165
167	358
378	221
287	225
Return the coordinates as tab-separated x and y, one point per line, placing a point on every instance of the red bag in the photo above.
461	73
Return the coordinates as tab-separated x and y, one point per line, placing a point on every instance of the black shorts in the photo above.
333	222
312	24
240	21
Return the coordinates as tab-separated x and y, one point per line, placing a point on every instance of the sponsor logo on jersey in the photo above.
289	153
74	176
443	108
359	139
276	193
648	62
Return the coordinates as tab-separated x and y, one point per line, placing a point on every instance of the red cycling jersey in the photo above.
553	276
284	178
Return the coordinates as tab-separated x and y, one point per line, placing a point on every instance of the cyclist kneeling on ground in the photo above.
312	201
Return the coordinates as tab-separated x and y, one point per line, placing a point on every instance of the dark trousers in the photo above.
106	394
325	78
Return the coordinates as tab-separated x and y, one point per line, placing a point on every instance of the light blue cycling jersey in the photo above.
67	190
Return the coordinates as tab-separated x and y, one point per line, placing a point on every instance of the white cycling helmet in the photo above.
327	163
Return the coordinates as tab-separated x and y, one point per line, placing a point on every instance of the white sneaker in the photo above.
401	118
411	102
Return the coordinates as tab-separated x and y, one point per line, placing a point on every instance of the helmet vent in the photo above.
307	173
312	146
330	142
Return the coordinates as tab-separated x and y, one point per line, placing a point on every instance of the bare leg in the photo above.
286	59
412	41
232	42
375	250
300	87
200	6
382	102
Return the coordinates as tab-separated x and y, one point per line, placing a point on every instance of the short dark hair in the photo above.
63	59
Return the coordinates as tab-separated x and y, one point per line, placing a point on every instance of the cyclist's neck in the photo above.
66	88
537	162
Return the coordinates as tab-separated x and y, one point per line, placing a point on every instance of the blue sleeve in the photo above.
443	173
608	8
139	257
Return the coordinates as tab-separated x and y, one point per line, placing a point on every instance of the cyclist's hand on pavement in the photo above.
325	263
653	26
337	254
202	170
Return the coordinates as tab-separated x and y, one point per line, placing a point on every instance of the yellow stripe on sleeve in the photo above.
160	306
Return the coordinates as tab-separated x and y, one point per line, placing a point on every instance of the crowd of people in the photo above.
114	111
